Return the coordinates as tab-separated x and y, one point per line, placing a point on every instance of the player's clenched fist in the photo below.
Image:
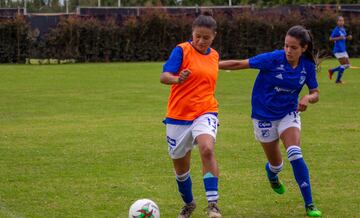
184	75
303	103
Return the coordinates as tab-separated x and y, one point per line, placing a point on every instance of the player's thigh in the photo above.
343	60
206	144
205	129
347	61
289	129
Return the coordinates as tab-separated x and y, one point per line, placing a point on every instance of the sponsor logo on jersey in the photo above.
279	89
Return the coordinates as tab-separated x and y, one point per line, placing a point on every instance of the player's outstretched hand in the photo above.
349	37
303	103
184	75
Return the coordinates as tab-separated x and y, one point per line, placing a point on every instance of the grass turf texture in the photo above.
86	140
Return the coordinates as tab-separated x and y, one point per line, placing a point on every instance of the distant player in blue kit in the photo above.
276	109
339	37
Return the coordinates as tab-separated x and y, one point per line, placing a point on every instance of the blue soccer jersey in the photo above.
277	86
339	45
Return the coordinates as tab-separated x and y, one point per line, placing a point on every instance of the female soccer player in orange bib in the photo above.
191	119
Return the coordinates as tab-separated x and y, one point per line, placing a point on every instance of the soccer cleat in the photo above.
213	210
312	211
277	186
187	210
340	82
330	74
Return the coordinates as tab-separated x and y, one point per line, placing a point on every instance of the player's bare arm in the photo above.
234	64
169	78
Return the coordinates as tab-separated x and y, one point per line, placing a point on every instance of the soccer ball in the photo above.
144	208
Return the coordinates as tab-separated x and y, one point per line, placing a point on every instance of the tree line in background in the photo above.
152	37
59	5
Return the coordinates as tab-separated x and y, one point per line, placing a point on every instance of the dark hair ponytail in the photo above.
205	20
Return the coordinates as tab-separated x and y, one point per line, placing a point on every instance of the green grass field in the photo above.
86	140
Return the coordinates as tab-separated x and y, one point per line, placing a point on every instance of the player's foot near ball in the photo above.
187	210
340	82
330	74
277	186
213	210
312	211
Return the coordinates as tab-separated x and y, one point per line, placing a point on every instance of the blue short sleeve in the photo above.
311	81
335	33
173	64
262	61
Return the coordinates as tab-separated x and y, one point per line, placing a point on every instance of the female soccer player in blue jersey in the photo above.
191	118
339	37
275	106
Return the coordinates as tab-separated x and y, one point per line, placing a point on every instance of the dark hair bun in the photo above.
205	21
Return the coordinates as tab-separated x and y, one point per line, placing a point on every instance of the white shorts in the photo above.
181	138
268	131
341	55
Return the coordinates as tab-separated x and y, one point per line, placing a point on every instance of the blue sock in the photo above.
340	73
185	187
272	171
211	187
301	172
336	69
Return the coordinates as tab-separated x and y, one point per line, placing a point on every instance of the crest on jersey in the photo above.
302	79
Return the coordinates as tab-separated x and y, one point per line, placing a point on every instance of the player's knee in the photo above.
346	66
207	150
